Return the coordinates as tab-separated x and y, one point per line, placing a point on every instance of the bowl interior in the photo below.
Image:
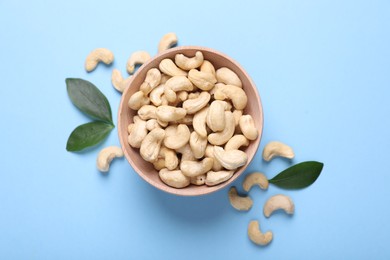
125	115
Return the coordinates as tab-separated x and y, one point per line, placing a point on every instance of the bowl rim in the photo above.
168	189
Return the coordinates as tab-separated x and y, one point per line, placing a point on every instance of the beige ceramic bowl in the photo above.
125	115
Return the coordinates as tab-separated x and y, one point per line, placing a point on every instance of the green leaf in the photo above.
88	135
298	176
88	98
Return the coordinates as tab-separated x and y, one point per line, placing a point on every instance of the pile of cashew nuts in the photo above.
187	107
277	202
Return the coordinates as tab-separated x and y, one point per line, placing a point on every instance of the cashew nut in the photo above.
170	157
278	202
273	149
182	96
118	81
198	180
152	124
186	63
193	95
215	178
237	115
207	67
174	179
175	84
235	94
176	136
256	236
232	159
203	80
170	113
222	137
195	168
186	153
248	128
256	178
147	112
155	95
199	122
152	80
239	202
198	145
159	164
216	116
98	55
228	77
168	67
138	132
167	41
150	146
194	105
137	100
187	120
136	58
236	142
106	156
209	152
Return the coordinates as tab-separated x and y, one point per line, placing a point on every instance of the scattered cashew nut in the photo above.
274	148
106	156
278	202
239	202
167	41
256	236
118	81
136	58
256	178
98	55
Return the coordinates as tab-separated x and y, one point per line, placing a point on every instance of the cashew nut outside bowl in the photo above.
125	115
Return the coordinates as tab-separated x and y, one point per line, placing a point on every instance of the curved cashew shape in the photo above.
222	137
155	95
195	168
170	158
209	152
147	112
216	116
118	81
215	178
182	96
174	179
278	202
198	180
207	67
203	80
137	100
152	80
175	84
199	122
98	55
167	41
106	156
136	58
248	128
168	67
137	133
186	63
159	164
273	149
256	236
150	146
170	113
235	94
194	105
236	142
198	145
186	153
176	136
239	202
152	124
228	77
232	159
256	178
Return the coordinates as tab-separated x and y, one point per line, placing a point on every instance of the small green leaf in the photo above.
298	176
88	135
88	98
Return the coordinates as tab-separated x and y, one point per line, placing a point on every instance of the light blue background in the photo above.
322	69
